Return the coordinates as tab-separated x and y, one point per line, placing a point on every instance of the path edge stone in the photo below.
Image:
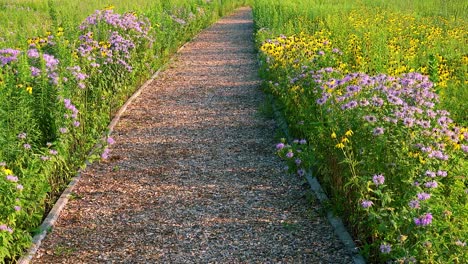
335	221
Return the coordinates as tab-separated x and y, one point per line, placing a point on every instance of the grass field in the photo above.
65	68
379	91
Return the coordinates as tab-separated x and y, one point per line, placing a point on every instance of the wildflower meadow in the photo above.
64	71
375	94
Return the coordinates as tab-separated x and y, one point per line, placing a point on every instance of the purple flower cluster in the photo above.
8	55
125	33
423	220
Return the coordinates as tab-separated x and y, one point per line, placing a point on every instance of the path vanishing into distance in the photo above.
193	176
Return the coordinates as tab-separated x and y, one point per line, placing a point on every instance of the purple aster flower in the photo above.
19	187
105	153
442	173
423	196
17	208
378	179
370	118
6	229
430	174
63	130
53	152
378	131
289	154
385	248
22	135
414	204
35	71
366	203
431	184
76	123
110	141
301	172
12	178
423	220
464	148
33	53
408	122
298	161
302	141
27	146
8	55
279	146
321	53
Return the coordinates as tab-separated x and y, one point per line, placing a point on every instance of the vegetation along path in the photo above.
192	177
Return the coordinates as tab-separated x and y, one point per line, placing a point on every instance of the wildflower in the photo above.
33	53
6	228
431	184
344	140
45	158
423	220
298	161
53	152
300	172
385	248
19	187
378	179
430	174
22	135
302	141
63	130
17	208
27	146
279	146
105	153
464	148
370	119
366	203
459	243
378	131
110	141
442	173
8	55
289	154
333	135
423	196
12	178
349	133
76	123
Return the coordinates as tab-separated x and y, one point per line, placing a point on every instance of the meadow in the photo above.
375	93
65	68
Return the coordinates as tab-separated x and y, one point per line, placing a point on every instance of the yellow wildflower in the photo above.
349	133
29	89
339	145
333	135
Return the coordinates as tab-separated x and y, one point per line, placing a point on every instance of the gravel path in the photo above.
193	177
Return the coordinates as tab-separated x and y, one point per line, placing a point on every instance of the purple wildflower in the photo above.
298	161
289	154
17	208
385	248
378	179
301	172
33	53
302	141
22	135
430	174
423	220
53	152
76	123
279	146
63	130
370	118
431	184
414	204
366	203
442	173
423	196
27	146
110	141
8	55
6	228
35	71
19	187
378	131
12	178
105	153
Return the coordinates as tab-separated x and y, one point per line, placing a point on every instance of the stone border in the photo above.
334	221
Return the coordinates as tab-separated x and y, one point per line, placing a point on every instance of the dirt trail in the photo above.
193	177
